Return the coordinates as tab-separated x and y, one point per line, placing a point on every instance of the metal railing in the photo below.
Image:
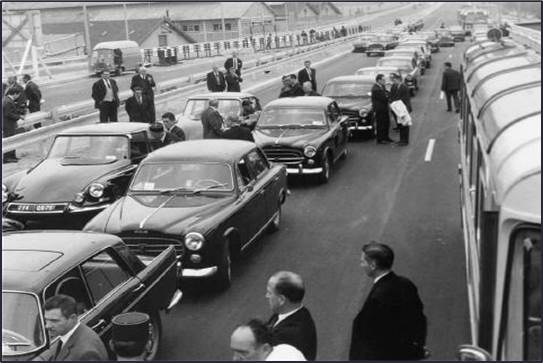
528	37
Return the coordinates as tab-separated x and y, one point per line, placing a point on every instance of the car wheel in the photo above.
155	336
223	279
324	176
276	223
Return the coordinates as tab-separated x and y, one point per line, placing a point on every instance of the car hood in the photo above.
353	103
52	181
295	137
179	215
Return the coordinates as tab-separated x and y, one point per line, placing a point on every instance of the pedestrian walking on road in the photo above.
32	93
77	341
379	101
400	92
391	324
450	85
175	132
147	84
253	342
105	94
212	121
11	113
215	80
308	89
232	80
308	74
235	62
130	336
291	322
138	107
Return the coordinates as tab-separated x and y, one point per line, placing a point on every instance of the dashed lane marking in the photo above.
429	150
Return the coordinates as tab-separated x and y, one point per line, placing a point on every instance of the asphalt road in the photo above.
381	192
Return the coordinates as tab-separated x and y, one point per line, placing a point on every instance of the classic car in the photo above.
361	44
420	45
97	270
86	168
445	41
209	198
375	49
353	96
415	53
381	43
458	34
410	70
308	134
374	71
229	105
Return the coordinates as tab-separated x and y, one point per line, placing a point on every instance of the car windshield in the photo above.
22	327
291	117
89	150
194	108
399	63
347	89
182	177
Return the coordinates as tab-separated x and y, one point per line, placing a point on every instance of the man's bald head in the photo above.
288	284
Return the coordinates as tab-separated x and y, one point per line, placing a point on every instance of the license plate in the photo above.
38	207
44	208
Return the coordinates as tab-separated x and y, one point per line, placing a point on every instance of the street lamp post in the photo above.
125	22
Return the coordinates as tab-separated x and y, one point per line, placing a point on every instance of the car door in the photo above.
259	172
339	125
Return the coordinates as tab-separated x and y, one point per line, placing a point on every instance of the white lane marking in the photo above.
429	150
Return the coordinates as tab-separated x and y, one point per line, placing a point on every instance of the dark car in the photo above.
353	96
97	270
308	134
458	34
361	44
209	198
445	41
377	49
85	170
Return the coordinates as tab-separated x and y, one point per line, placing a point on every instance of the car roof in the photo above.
107	128
221	95
301	101
31	260
377	67
116	44
352	79
397	57
211	150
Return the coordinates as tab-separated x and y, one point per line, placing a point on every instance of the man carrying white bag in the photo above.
401	107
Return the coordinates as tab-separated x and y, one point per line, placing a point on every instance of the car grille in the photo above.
151	243
283	154
352	114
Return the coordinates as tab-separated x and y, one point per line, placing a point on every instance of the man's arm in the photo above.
215	123
151	81
444	82
210	82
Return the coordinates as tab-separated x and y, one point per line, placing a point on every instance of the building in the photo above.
304	15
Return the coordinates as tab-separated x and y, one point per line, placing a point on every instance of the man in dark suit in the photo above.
236	131
308	74
400	91
175	132
212	121
146	83
21	101
215	80
450	85
11	114
33	94
391	325
379	101
76	340
291	322
138	107
235	62
105	94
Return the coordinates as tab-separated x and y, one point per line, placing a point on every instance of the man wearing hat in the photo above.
130	336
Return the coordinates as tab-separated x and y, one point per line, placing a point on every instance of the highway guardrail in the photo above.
528	37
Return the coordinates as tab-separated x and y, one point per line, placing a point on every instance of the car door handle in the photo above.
139	288
99	325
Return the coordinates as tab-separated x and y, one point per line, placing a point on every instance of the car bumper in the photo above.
300	170
197	273
360	127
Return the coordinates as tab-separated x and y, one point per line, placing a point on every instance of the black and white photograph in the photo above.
271	181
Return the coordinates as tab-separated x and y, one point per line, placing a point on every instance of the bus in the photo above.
500	191
470	17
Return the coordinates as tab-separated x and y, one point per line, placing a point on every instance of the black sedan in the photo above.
353	96
308	134
97	270
445	41
85	170
209	198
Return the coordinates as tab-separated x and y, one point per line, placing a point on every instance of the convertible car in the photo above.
209	198
97	270
307	134
85	170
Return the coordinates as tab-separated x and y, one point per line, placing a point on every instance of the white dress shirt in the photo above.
281	317
285	352
380	277
64	338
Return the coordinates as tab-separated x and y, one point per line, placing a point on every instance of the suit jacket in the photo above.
451	80
21	101
304	77
391	324
401	92
84	344
232	82
230	62
379	99
212	84
295	91
176	134
212	123
297	330
99	92
33	95
138	112
146	85
11	114
239	133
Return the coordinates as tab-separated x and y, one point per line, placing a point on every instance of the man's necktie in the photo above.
235	64
217	78
309	74
59	348
108	85
273	320
139	100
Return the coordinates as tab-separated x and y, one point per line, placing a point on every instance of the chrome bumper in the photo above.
358	127
74	209
69	209
199	272
175	299
302	170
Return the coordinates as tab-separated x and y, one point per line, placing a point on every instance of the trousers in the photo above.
454	95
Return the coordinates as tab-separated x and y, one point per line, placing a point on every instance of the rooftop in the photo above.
121	128
302	101
209	150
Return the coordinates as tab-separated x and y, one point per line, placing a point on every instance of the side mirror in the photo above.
472	353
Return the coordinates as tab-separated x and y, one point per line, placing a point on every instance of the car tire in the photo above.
155	336
324	176
223	279
275	225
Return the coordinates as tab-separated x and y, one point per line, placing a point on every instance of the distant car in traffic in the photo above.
422	46
361	44
445	41
374	71
380	44
375	49
353	96
209	198
409	68
308	134
229	105
85	170
417	55
458	34
97	270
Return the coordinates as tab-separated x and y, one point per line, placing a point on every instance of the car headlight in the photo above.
363	112
194	241
4	193
409	77
310	151
96	190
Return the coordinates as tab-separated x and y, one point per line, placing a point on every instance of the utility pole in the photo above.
87	33
286	15
222	22
126	22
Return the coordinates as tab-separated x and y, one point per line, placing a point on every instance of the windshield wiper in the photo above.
176	190
198	191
